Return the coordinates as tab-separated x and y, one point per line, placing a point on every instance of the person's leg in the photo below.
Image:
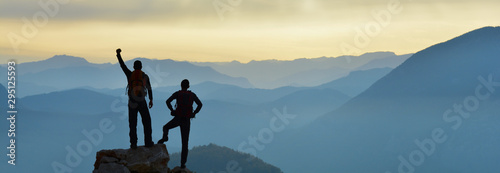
171	124
146	123
185	128
132	123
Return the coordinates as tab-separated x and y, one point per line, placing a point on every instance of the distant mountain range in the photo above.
357	81
57	62
244	110
447	90
63	72
70	101
66	112
352	114
305	72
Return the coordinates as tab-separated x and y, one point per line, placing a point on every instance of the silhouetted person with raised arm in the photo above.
182	115
138	86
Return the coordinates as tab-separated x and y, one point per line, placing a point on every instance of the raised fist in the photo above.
118	51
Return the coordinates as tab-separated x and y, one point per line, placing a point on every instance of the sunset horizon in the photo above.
220	31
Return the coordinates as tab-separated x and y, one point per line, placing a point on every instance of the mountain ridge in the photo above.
68	101
212	157
73	72
302	72
407	105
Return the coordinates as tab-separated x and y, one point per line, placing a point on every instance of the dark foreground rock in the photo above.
139	160
180	170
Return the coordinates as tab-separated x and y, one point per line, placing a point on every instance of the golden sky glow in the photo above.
244	30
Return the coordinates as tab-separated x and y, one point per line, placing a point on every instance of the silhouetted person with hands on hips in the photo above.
182	115
138	86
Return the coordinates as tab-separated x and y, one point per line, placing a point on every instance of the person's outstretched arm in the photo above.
198	104
122	64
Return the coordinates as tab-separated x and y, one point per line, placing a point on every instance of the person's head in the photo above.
137	65
185	84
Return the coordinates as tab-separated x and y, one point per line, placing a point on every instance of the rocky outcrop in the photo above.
139	160
180	170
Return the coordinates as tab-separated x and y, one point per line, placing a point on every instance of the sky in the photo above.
227	30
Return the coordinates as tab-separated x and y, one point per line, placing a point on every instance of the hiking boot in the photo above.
161	141
150	144
133	146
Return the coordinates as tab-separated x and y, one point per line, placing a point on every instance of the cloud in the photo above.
178	10
120	10
203	10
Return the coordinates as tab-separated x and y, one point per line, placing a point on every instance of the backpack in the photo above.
137	84
184	104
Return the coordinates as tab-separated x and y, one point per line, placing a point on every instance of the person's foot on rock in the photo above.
133	146
161	141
